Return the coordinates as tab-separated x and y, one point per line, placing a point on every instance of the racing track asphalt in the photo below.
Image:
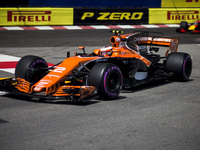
162	115
68	38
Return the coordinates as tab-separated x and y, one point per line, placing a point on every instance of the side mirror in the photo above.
82	48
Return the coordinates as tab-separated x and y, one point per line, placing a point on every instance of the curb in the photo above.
8	63
86	27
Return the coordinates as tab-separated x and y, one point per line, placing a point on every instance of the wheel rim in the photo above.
113	82
34	73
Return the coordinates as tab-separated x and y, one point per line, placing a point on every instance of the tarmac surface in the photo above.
161	115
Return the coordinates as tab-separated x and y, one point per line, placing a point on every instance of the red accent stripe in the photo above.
29	28
4	65
138	26
86	27
12	64
49	64
2	28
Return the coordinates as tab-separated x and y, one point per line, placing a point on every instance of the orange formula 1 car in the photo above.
192	28
131	61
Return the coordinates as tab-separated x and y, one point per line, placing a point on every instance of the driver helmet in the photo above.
106	51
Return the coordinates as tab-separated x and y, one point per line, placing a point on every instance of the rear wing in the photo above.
143	38
171	43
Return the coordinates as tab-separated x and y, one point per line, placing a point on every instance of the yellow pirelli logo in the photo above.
183	15
29	16
172	15
36	16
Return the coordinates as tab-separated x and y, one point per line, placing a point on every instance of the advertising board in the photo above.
110	16
36	16
172	15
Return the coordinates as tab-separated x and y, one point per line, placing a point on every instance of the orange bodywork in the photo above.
23	85
83	91
54	82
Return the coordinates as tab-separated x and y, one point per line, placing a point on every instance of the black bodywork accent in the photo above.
129	66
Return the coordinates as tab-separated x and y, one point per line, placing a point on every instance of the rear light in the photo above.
183	30
196	31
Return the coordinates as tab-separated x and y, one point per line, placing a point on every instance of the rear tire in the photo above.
180	64
31	68
184	25
108	80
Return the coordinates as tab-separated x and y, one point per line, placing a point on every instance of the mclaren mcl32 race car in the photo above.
131	60
192	28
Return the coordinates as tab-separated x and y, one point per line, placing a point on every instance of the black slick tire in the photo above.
108	80
180	64
184	25
31	68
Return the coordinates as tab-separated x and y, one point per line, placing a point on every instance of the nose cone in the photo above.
39	89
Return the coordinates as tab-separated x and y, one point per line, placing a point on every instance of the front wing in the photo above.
69	92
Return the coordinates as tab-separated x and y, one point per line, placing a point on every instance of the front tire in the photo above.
180	64
31	68
108	80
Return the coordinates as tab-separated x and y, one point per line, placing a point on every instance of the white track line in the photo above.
10	70
126	26
13	28
100	27
172	25
7	58
44	28
150	26
73	27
